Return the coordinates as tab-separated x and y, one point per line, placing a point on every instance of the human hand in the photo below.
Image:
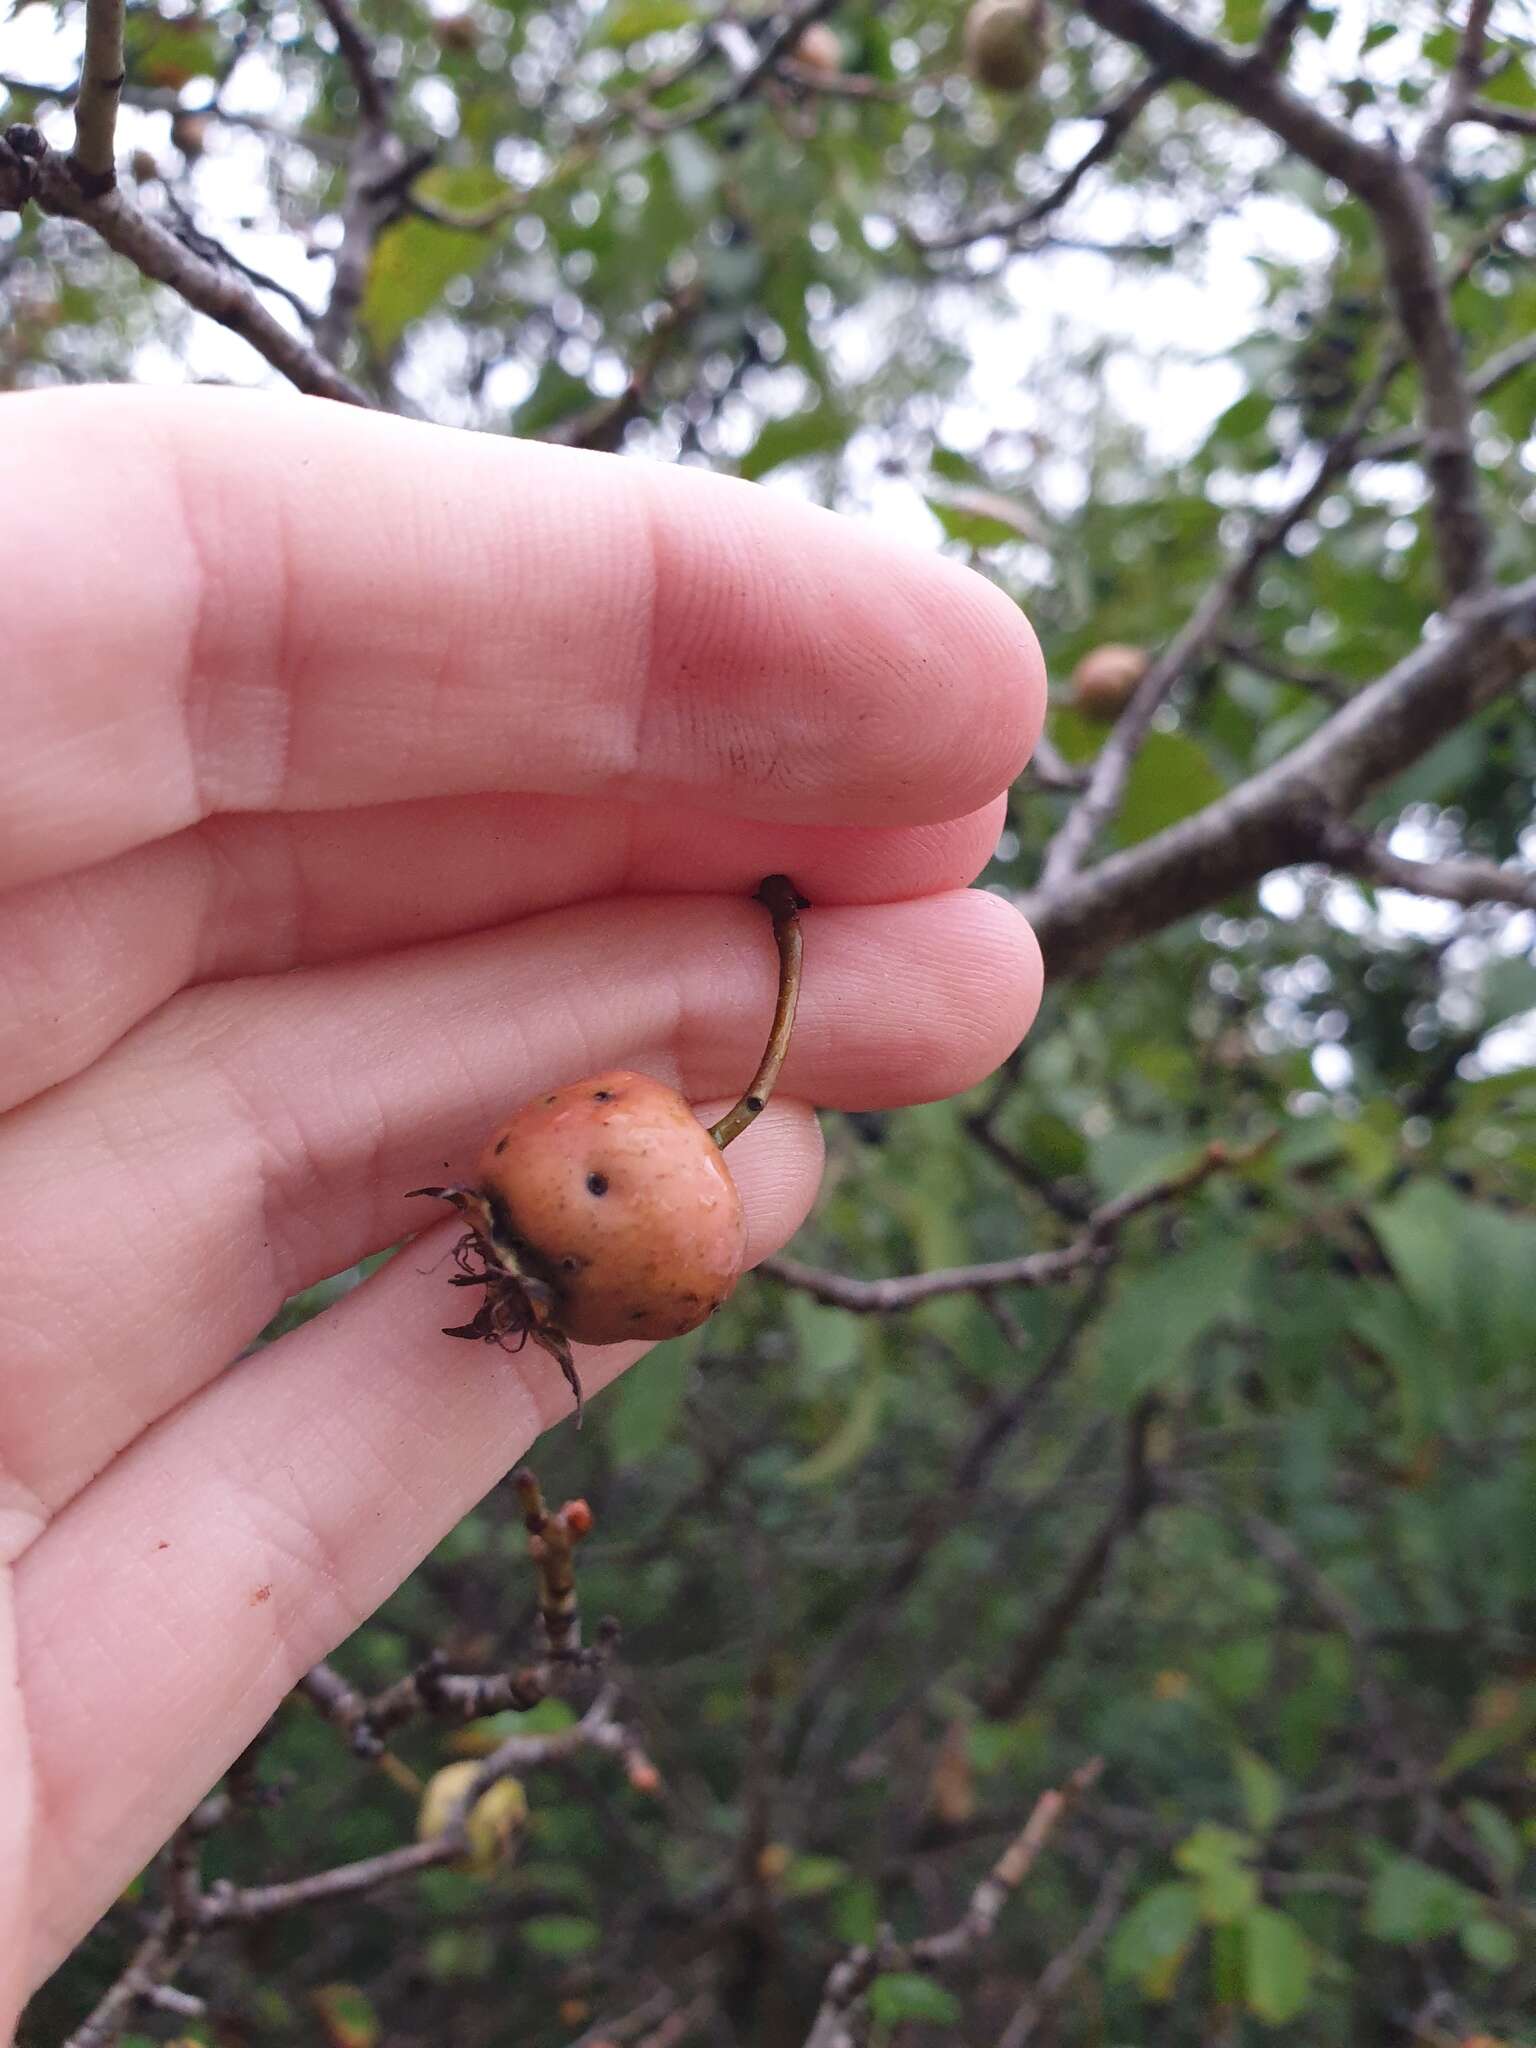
361	778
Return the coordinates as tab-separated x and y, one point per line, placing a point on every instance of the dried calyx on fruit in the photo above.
603	1210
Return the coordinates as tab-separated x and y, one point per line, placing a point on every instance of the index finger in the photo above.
296	606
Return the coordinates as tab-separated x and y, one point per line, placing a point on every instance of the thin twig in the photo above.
101	82
777	44
32	172
1115	122
1279	32
1511	120
1202	630
1061	1969
1043	1644
850	1979
1460	88
1464	881
1032	1269
1397	195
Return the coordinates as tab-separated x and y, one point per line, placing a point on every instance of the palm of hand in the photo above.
388	775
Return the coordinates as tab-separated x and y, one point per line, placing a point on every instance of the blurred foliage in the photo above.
1312	1666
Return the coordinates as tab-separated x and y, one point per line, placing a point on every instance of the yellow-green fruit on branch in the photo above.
1005	43
494	1822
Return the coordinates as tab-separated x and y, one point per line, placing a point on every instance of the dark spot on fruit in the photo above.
602	1095
547	1100
597	1183
261	1593
570	1265
637	1315
501	1146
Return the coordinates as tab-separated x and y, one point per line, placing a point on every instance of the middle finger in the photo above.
255	1136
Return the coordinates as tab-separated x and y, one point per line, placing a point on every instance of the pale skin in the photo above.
360	778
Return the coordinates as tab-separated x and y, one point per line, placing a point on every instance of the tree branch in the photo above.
32	172
1111	769
791	26
1115	122
1453	881
1280	815
1497	370
1398	198
1061	1969
1460	88
1511	120
378	172
1041	1647
1033	1269
850	1979
101	81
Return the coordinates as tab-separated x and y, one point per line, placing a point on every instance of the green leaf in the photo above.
1495	1831
807	1877
631	21
819	430
560	1935
1156	1933
1160	1313
415	261
853	1437
1217	1858
1172	778
1491	1944
1277	1966
642	1412
904	1995
1409	1901
1262	1788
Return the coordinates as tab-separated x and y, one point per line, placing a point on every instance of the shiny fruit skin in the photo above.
1105	680
614	1192
1004	43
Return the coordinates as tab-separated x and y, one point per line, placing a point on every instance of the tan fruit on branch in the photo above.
819	48
457	32
189	132
1004	43
1105	680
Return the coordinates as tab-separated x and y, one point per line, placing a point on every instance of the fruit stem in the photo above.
784	903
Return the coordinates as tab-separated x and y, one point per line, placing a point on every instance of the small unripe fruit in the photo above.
145	167
1004	43
493	1822
1105	680
819	48
577	1517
